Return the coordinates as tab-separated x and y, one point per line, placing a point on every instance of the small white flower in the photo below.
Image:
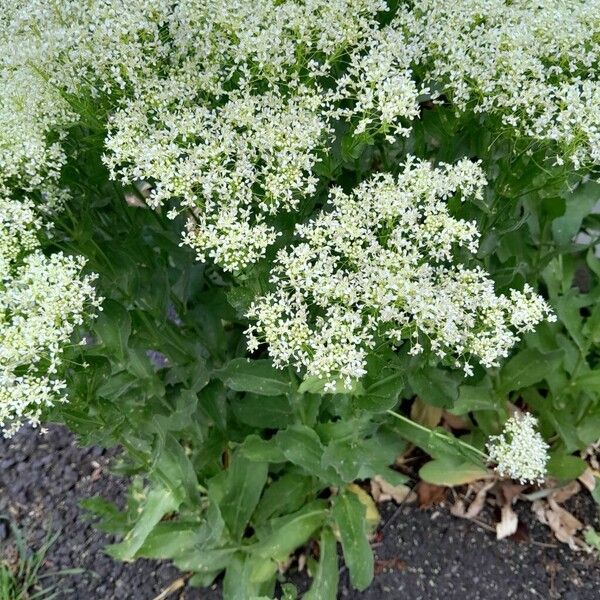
376	264
42	300
520	452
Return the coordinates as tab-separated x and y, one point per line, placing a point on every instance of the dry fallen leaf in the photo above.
459	509
522	534
481	489
479	501
430	494
562	494
372	514
425	414
456	422
301	562
383	491
508	491
96	474
588	479
390	564
564	525
508	522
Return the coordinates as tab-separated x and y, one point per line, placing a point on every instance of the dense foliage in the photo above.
254	243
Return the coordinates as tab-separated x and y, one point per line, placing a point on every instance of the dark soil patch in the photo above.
422	554
42	480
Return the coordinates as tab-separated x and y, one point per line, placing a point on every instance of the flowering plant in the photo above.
246	241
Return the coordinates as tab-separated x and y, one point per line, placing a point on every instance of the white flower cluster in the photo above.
376	264
520	452
224	106
535	63
42	300
32	121
380	82
234	126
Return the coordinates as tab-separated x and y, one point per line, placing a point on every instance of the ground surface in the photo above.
422	554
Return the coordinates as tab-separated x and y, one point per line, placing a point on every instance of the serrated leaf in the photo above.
256	376
325	582
350	516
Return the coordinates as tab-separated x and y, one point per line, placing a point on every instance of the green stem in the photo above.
438	434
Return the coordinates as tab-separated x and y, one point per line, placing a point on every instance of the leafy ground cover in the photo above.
424	552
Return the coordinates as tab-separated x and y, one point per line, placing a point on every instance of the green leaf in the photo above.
169	539
434	386
350	516
113	327
213	404
435	442
596	491
202	559
589	429
177	471
526	368
112	520
383	393
158	503
263	412
245	482
452	471
239	583
118	385
578	205
290	532
565	466
256	376
476	397
589	381
363	458
302	446
325	582
316	385
591	537
256	449
285	495
288	592
567	308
